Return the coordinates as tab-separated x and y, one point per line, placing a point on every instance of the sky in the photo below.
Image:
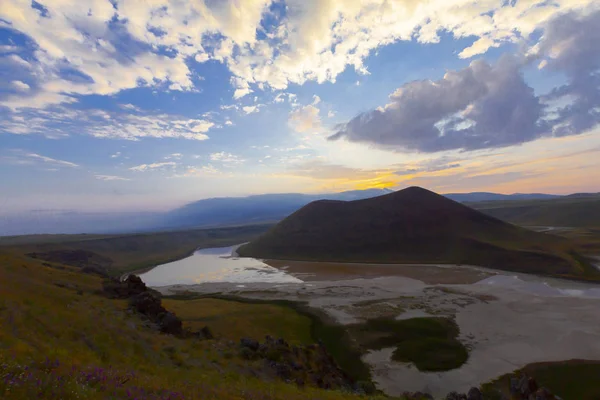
110	105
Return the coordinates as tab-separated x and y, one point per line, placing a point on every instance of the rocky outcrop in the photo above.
523	387
129	287
148	303
305	365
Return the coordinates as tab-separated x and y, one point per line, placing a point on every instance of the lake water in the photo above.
215	265
220	265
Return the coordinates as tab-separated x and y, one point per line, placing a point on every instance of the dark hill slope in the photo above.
413	225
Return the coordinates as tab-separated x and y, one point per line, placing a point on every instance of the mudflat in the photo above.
337	271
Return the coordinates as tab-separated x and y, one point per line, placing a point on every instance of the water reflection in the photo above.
215	265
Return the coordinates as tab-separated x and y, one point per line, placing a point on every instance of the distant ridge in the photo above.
413	225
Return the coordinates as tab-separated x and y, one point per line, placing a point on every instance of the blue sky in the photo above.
114	105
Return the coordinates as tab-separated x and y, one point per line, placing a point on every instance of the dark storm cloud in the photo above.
491	106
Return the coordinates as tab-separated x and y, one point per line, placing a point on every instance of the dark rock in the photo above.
249	343
130	286
170	323
474	394
454	396
206	333
148	304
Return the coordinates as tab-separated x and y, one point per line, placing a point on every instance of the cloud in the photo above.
226	158
431	165
487	106
60	121
321	169
111	178
305	119
21	157
309	41
7	48
251	109
153	166
116	155
480	106
20	86
570	45
51	160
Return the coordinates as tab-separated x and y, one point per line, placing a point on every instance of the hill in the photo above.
568	211
486	196
414	225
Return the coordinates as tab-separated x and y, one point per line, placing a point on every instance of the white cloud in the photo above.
116	155
250	109
226	158
20	86
306	119
60	121
228	122
7	48
331	114
312	41
21	157
153	166
51	160
111	178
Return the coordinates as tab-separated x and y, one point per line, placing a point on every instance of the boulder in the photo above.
206	333
170	323
148	304
474	394
249	343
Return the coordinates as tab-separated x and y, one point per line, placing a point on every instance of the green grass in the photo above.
571	380
233	319
334	337
429	343
432	354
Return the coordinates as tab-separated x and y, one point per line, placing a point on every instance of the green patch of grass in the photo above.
429	343
432	354
571	380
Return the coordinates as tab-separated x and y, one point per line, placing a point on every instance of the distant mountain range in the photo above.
413	225
221	211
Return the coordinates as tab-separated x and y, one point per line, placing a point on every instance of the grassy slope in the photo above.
567	211
415	226
58	339
572	380
133	252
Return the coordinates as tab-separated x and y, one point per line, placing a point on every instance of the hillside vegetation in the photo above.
60	339
415	225
125	253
